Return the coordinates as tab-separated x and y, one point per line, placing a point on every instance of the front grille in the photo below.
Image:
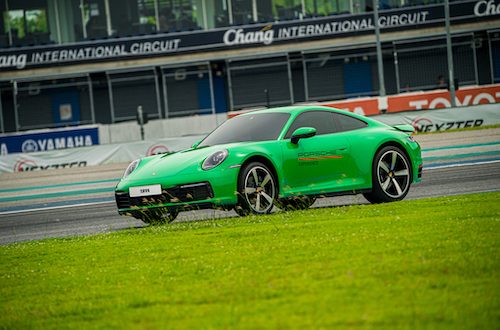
122	200
179	194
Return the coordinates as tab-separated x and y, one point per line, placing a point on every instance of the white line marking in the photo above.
460	165
54	207
112	202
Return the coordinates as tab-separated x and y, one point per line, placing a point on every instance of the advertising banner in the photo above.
437	99
93	155
441	98
423	121
446	119
47	140
363	106
262	34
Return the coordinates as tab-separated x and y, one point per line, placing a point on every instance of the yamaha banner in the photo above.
244	36
48	140
94	155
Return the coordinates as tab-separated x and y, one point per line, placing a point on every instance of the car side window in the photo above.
348	123
322	121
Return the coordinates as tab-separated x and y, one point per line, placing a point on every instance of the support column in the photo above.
290	80
229	86
111	101
211	84
109	26
2	128
91	99
157	92
16	113
380	64
449	52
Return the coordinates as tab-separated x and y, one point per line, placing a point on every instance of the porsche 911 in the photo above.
284	157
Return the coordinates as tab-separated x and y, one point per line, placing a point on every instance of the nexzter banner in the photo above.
245	36
92	155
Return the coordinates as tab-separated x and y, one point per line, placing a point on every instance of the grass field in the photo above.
432	263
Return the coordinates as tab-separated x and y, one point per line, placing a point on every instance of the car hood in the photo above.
168	165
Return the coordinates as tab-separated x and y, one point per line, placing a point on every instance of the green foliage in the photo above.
430	263
36	20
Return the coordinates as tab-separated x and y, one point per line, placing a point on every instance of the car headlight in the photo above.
132	166
214	159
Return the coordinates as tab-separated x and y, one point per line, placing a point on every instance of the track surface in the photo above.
101	218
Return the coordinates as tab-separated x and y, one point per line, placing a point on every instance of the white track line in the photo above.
55	207
460	165
112	202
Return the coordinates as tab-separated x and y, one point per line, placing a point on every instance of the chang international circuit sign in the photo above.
244	36
268	34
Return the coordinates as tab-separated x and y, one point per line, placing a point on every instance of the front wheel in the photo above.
391	176
156	216
257	190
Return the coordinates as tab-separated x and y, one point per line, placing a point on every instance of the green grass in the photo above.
430	263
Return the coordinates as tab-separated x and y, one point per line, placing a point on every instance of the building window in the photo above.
132	17
315	8
180	15
242	11
94	18
220	16
287	9
26	24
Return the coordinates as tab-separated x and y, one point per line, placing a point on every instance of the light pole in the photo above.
380	64
449	52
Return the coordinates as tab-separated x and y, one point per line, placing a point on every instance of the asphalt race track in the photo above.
101	218
69	202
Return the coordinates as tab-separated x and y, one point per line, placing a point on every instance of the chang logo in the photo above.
29	146
18	61
240	37
486	8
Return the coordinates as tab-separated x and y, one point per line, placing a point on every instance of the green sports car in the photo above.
285	157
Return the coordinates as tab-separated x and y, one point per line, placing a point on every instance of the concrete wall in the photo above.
163	128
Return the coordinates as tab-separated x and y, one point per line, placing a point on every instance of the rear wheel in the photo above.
391	176
257	190
156	216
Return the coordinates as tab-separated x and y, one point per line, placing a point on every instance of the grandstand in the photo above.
76	62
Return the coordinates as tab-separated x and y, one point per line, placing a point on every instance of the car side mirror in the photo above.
303	133
196	144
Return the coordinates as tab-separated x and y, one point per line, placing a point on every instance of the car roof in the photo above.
296	109
293	109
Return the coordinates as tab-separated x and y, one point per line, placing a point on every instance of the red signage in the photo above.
367	106
441	98
437	99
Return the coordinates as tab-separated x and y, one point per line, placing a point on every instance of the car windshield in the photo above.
254	127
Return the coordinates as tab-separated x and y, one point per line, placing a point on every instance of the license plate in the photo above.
145	191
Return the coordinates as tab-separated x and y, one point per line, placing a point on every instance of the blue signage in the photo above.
50	140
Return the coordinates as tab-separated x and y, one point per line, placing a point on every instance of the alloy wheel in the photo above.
393	173
259	189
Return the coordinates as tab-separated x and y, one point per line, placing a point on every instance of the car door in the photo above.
317	164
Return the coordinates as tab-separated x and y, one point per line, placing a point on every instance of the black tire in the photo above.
257	190
156	216
296	203
391	176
